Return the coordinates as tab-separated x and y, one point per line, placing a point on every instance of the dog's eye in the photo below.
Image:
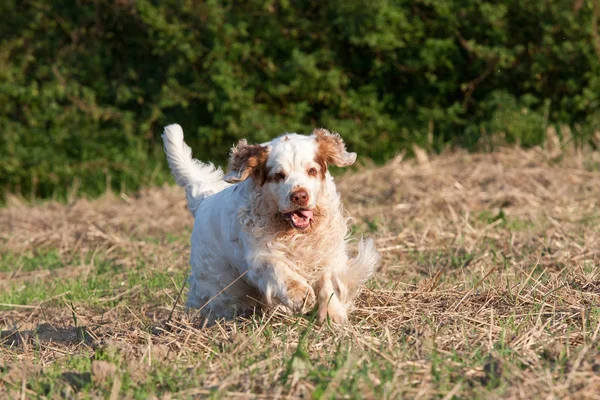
280	176
312	172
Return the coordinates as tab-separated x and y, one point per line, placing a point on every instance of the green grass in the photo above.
49	260
102	282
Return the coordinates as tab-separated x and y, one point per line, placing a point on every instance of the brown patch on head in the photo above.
247	160
331	150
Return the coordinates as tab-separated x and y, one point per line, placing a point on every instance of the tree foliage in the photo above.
85	87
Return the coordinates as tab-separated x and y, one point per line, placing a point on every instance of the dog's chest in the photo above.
306	254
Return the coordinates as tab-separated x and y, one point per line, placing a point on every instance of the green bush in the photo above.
86	87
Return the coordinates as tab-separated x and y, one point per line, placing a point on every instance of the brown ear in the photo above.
332	149
246	160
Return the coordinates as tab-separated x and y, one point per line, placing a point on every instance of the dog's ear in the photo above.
332	149
246	160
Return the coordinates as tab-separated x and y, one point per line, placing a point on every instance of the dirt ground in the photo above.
489	287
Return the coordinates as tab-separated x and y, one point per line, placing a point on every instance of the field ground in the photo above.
489	287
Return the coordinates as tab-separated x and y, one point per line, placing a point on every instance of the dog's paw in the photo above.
298	296
335	312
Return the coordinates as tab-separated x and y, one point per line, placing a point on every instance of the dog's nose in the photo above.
299	197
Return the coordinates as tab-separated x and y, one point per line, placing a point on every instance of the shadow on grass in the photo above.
45	333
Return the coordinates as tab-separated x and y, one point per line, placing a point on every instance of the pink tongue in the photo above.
306	213
301	218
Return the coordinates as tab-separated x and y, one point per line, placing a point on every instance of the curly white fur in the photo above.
246	251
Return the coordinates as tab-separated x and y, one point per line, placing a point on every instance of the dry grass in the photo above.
489	288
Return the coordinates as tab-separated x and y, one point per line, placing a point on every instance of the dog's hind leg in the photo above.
216	288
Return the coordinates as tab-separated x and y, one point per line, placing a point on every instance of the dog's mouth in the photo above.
300	219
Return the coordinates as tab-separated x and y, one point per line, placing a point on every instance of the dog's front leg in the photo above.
329	292
280	284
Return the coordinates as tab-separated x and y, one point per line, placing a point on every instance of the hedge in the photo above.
85	87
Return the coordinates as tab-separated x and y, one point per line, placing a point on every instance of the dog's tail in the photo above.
200	180
359	270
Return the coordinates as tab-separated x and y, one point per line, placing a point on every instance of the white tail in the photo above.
199	179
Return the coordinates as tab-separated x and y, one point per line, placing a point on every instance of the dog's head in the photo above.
290	170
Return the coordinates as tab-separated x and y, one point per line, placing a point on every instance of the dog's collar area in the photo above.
299	219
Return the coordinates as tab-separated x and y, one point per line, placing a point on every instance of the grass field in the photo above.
489	287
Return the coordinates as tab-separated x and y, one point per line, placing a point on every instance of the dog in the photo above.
271	231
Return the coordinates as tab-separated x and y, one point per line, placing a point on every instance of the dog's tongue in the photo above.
308	214
301	218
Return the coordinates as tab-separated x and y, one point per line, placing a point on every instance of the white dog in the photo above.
273	230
